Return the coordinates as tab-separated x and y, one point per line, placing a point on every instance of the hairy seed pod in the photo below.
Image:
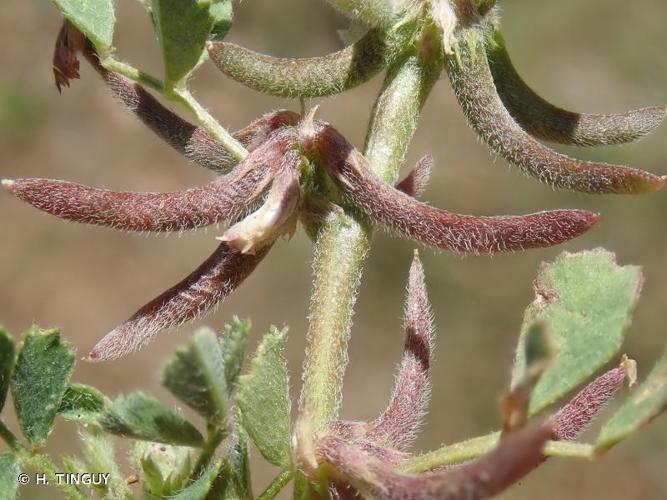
224	198
369	12
210	283
191	141
399	424
433	226
543	120
473	85
310	77
513	458
573	419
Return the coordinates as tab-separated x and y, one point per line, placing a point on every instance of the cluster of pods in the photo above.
262	197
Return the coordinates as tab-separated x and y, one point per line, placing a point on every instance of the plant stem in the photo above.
451	454
8	436
215	437
183	97
343	240
133	73
478	446
235	148
278	483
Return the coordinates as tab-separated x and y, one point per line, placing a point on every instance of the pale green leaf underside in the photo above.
585	301
263	398
94	18
43	367
647	402
9	471
196	376
142	417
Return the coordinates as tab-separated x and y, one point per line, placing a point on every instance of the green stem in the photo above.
183	97
215	437
343	240
235	148
478	446
133	74
8	436
279	482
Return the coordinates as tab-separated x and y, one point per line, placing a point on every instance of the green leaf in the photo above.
233	345
233	481
7	355
93	18
647	402
585	300
200	488
196	376
9	471
82	403
222	14
43	367
142	417
182	28
263	398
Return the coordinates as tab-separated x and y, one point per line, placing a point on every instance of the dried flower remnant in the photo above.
543	120
433	226
65	63
277	216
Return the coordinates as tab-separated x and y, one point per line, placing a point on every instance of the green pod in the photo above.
473	85
545	121
315	76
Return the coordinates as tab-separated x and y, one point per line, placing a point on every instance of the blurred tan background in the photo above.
602	55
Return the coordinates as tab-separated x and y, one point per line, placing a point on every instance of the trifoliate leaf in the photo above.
233	345
9	472
263	398
7	354
585	301
82	403
647	402
196	376
93	18
43	367
142	417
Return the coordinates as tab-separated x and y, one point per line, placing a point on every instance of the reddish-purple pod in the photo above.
225	198
433	226
205	287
